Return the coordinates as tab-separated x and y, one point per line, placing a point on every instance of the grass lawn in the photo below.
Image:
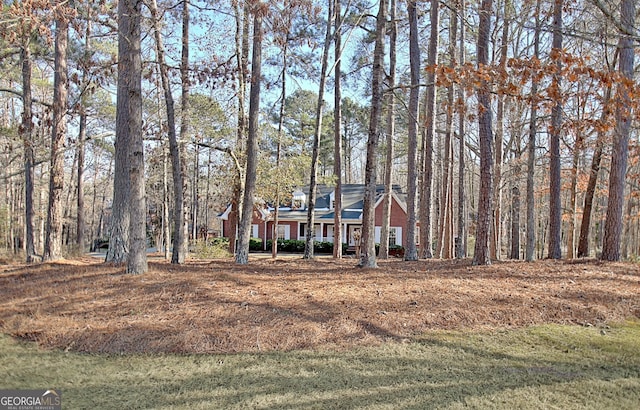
544	366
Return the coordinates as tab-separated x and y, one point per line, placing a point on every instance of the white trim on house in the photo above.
225	215
394	196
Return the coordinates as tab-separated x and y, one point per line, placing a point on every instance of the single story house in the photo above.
292	219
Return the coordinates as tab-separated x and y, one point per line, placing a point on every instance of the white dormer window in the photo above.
299	200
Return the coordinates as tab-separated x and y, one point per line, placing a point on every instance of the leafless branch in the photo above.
18	93
227	150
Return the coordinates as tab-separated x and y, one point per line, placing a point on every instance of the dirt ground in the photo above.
220	307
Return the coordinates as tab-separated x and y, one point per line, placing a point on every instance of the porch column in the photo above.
264	241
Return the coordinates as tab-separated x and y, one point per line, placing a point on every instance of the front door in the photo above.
355	235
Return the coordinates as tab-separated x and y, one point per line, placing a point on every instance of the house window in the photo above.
281	232
298	201
392	236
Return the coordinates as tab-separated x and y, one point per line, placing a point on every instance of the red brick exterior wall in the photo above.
398	216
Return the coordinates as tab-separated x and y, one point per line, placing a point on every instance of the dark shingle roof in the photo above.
352	195
345	215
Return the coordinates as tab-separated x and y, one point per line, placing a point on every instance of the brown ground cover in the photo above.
220	307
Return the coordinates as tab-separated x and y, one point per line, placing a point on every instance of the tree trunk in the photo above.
337	137
496	237
181	248
461	241
515	223
516	143
53	239
119	233
583	240
80	222
555	205
613	223
71	191
391	125
179	234
577	149
27	138
166	225
411	252
283	97
41	205
626	233
348	150
207	197
445	247
485	136
131	53
311	200
242	254
82	136
429	132
195	191
9	201
368	252
531	149
242	60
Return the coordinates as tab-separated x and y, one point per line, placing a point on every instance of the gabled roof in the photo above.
352	195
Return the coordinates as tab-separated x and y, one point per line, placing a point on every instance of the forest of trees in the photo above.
510	124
